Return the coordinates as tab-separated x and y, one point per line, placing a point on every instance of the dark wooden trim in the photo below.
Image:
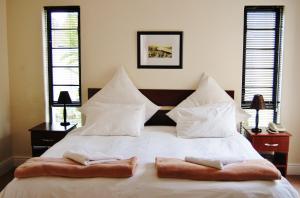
160	119
276	74
140	66
49	61
162	97
263	8
62	8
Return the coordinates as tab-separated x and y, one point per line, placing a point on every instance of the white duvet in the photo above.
153	142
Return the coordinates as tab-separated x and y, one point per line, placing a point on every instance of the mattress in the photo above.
154	141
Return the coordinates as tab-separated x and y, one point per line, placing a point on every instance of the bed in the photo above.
157	139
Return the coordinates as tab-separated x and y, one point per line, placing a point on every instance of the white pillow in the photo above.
208	92
121	90
114	119
212	120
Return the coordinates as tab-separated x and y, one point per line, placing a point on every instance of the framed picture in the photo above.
159	50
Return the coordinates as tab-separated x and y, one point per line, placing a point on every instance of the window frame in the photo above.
48	10
274	104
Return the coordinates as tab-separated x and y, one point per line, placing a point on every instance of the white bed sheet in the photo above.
154	141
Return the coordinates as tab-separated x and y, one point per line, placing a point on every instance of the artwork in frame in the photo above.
159	49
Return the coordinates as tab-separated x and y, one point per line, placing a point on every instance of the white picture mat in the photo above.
162	40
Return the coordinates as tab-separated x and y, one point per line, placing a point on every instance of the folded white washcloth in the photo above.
211	162
87	157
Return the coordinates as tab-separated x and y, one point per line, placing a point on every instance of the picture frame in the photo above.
159	49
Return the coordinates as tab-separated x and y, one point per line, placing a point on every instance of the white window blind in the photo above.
262	60
63	52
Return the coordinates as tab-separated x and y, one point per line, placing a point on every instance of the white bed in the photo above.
154	141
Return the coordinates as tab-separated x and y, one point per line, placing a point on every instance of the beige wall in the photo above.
5	139
213	36
291	81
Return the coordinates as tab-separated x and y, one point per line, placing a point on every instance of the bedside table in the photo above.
272	146
45	135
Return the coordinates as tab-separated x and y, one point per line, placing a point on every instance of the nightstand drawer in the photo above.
275	144
39	150
46	138
45	135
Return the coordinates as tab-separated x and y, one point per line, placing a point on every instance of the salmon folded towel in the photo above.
241	171
43	166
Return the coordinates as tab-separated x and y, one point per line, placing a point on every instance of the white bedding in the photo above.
154	141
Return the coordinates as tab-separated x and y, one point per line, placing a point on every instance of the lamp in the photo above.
64	98
257	103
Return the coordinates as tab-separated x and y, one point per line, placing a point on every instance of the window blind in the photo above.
262	60
63	52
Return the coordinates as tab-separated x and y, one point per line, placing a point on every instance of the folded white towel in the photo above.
205	161
230	161
211	162
88	157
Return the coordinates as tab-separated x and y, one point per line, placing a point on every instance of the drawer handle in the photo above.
271	145
48	140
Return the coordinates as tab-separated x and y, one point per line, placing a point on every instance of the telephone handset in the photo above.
275	128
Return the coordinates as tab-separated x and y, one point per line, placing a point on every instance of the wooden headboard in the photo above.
162	97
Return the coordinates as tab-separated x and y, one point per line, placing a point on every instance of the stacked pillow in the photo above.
211	120
208	92
119	108
114	119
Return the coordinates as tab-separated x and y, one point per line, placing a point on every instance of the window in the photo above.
262	60
63	60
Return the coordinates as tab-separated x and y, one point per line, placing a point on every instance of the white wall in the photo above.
5	139
213	42
291	81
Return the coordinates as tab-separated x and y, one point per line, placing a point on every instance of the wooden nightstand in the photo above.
45	135
274	147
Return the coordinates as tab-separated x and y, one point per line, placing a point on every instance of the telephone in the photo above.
276	127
